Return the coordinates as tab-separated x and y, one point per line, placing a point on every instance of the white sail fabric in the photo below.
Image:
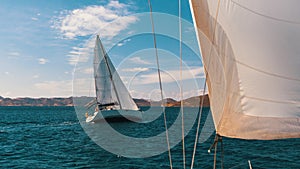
109	86
251	54
102	77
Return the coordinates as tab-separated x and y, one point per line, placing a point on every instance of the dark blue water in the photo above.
52	137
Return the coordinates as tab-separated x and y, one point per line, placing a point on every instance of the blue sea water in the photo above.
52	137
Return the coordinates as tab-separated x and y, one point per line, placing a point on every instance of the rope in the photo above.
215	154
218	139
250	166
181	86
204	88
222	152
198	125
160	85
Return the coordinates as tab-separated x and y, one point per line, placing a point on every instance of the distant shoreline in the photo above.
57	101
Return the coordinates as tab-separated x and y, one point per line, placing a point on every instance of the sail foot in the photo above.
106	106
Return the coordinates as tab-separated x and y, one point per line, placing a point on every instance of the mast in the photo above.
110	73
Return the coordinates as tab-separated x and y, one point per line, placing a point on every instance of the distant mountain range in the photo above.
36	101
190	102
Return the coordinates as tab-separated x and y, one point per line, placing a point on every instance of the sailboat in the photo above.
113	101
251	56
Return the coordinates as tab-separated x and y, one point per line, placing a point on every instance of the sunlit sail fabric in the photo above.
251	55
109	86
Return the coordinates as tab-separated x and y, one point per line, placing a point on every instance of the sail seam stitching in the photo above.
263	15
267	100
268	73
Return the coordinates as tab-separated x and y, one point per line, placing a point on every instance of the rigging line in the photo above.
215	156
222	152
198	125
218	139
242	164
181	86
160	85
204	87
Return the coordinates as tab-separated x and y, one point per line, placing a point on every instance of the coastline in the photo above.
68	101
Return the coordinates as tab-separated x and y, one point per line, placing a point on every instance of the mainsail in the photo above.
251	55
110	90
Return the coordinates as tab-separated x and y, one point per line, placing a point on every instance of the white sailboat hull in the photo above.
115	116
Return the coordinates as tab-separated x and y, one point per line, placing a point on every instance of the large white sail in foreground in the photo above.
109	87
251	54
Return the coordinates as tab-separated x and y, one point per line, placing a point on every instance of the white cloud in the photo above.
43	61
84	86
86	21
138	60
171	76
73	60
79	54
120	44
116	5
55	88
6	94
14	54
34	19
35	76
124	42
190	29
136	69
127	40
154	94
88	71
187	94
7	73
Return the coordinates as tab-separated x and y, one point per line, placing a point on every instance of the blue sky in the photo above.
42	41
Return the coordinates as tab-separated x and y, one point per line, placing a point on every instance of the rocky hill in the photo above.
142	102
36	102
169	102
192	102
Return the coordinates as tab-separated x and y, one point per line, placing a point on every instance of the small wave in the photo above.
16	126
18	123
3	131
68	123
65	123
